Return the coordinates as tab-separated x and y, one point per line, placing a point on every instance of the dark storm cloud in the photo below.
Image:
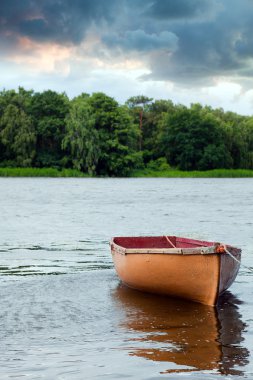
68	20
185	41
54	20
218	47
138	40
187	9
214	39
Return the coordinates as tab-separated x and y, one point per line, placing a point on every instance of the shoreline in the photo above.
144	173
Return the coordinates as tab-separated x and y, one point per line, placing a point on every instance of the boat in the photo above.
195	270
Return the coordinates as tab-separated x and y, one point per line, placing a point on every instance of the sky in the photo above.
184	50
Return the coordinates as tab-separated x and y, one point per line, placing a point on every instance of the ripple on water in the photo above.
54	259
83	325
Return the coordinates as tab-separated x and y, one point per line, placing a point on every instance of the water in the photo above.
65	315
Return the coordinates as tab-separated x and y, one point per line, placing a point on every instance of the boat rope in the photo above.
168	239
250	269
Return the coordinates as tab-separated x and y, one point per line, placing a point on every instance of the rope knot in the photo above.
221	248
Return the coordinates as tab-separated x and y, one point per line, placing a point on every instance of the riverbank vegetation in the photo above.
215	173
40	172
48	134
139	173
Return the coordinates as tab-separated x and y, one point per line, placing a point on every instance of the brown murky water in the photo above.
65	315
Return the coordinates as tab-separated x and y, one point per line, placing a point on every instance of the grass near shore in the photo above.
217	173
148	173
40	172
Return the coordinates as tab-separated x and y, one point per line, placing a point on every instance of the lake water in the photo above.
64	313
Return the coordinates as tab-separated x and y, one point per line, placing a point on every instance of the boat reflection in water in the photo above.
195	337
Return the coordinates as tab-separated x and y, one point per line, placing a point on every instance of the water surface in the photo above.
65	315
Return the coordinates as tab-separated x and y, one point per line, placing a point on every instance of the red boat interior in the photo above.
160	242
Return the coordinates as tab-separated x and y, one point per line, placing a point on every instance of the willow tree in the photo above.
17	136
101	136
81	141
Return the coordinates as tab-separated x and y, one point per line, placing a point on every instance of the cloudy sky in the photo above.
184	50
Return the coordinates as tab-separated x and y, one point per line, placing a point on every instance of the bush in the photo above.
160	164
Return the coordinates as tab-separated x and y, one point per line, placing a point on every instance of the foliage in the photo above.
137	106
82	139
48	111
101	136
192	139
17	135
94	134
158	165
151	121
138	101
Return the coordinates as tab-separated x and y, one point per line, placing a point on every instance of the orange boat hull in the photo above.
196	277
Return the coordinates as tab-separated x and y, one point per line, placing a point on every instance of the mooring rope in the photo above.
238	261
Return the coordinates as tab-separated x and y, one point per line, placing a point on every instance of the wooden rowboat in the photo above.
179	267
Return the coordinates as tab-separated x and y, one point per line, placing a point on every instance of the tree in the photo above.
21	99
97	135
101	136
245	131
18	136
192	139
82	139
154	114
120	153
118	136
235	136
49	110
137	105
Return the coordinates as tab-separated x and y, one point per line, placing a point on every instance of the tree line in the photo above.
99	136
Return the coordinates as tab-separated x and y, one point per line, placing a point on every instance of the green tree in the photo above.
21	99
101	136
235	138
245	130
82	139
119	136
153	116
120	153
18	136
49	110
192	139
138	105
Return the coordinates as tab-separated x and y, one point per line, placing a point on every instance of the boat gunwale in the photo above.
170	251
